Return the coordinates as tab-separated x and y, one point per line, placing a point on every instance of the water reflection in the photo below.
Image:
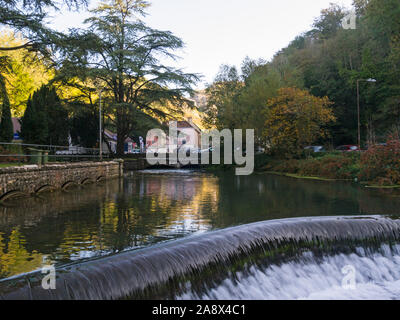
149	207
14	257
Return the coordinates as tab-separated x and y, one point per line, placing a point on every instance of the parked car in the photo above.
348	148
315	148
260	150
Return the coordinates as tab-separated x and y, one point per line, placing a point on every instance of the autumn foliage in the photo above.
343	166
380	164
295	119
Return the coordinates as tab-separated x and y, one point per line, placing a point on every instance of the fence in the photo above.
11	152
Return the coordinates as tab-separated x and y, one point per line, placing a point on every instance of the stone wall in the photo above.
31	179
135	164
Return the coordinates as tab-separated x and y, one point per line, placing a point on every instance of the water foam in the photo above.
377	276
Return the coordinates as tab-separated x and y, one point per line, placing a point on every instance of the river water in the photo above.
148	208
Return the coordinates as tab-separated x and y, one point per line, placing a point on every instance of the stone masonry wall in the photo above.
135	164
30	179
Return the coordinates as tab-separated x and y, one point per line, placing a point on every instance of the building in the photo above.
110	142
189	135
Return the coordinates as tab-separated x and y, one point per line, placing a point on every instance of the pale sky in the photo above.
219	32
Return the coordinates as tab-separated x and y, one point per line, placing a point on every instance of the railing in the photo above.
12	152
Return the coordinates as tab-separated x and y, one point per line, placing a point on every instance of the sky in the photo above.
217	32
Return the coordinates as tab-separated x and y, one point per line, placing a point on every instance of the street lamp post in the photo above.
358	108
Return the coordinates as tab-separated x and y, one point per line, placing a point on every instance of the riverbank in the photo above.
330	166
296	176
373	168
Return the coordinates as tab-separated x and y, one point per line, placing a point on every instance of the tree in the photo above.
327	61
28	18
221	110
260	86
295	119
26	72
33	124
57	118
45	120
85	127
122	53
237	100
329	22
6	125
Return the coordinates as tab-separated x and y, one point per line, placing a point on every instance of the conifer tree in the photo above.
6	125
123	53
57	119
45	120
34	122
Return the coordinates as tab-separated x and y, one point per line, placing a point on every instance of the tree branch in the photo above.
29	44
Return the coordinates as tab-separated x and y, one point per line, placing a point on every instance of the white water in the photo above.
377	276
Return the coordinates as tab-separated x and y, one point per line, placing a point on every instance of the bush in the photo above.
328	165
287	166
343	166
7	153
261	160
381	163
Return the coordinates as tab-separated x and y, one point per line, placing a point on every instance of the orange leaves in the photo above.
295	119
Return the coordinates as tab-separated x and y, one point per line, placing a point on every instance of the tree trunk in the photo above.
121	135
120	146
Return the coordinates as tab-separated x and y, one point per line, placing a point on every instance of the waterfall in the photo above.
376	277
206	265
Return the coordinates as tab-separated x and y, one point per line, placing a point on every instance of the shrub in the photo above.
330	165
261	160
7	153
381	163
287	166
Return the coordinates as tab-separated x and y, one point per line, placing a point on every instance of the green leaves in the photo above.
28	18
237	101
6	126
331	59
45	120
123	54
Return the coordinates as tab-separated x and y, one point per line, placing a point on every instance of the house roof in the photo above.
188	124
110	135
113	136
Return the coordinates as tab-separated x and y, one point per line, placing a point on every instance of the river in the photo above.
153	207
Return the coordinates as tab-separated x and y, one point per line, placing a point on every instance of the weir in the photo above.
144	273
